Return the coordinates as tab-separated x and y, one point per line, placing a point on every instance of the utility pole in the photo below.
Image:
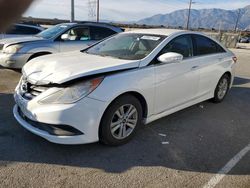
94	10
237	21
72	11
220	26
98	11
189	12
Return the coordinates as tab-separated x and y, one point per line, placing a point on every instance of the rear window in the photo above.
99	33
22	30
204	46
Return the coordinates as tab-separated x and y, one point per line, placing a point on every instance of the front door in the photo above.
78	39
176	83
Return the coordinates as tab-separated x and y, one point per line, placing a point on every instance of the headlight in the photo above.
12	49
72	93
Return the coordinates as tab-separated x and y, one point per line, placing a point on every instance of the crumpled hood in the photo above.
63	67
17	40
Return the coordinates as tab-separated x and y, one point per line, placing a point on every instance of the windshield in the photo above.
51	32
129	46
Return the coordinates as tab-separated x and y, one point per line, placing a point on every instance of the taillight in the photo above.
235	59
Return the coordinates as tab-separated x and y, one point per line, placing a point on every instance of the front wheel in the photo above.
221	89
121	121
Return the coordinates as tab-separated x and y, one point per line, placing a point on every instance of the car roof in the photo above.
28	25
164	32
169	32
100	24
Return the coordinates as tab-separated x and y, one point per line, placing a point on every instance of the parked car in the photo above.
21	30
244	40
16	52
104	93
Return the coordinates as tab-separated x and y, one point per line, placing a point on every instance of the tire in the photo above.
116	130
222	89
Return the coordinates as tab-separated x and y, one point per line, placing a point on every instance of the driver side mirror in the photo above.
170	57
65	37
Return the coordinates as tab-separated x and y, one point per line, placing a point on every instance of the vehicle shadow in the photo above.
15	70
202	138
241	81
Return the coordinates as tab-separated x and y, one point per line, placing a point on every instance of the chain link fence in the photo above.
229	40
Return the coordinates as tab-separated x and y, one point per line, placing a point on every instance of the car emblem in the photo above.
24	87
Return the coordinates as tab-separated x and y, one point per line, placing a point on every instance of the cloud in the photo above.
118	10
224	4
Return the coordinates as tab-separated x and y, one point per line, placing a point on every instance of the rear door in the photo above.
210	56
176	83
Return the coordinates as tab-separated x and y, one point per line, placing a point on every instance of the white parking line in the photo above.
227	168
163	135
164	143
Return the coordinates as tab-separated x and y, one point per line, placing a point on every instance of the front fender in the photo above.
42	49
138	80
33	48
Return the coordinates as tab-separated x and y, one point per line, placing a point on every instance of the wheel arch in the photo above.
38	54
142	100
229	74
137	95
215	98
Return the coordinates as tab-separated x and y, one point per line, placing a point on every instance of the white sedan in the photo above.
106	92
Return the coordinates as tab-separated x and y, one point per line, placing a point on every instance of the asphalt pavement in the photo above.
186	149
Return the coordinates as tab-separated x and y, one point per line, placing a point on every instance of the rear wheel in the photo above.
121	121
221	89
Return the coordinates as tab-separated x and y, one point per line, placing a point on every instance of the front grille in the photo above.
30	91
55	130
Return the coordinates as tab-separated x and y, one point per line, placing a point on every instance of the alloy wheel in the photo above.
223	87
124	121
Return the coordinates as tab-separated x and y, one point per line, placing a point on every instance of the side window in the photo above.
205	46
27	30
78	34
30	31
22	30
19	30
11	30
99	33
182	45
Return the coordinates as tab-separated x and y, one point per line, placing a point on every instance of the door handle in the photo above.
194	67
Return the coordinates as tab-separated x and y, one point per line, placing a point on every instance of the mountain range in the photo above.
203	18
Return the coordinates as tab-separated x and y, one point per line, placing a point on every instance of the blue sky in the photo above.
121	10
